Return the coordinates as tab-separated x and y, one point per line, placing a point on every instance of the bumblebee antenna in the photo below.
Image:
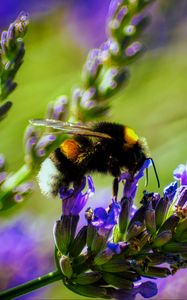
154	168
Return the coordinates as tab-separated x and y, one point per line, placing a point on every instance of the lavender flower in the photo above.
105	221
12	53
105	69
121	247
180	173
73	200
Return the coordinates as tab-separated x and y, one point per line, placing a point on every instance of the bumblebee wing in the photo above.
70	128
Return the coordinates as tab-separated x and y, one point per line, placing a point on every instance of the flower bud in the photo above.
58	109
175	247
89	290
162	238
98	243
117	281
150	220
156	272
112	80
134	230
91	232
103	257
62	232
133	51
79	242
170	224
66	267
92	67
161	211
181	231
87	277
124	214
116	264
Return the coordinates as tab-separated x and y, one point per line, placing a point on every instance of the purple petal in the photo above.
170	190
180	173
114	4
114	247
148	289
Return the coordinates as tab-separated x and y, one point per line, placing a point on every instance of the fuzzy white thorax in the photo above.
49	178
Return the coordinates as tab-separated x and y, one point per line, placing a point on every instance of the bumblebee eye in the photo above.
130	136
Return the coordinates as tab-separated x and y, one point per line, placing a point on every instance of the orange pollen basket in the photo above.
70	148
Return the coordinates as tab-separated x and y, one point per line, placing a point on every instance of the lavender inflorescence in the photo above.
105	70
122	244
12	51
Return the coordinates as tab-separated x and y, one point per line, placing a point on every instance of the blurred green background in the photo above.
154	103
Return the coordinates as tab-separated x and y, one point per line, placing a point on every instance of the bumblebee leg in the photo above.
115	188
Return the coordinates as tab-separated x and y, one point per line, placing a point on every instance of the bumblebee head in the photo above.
139	152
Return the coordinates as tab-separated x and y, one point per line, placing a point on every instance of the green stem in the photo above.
31	285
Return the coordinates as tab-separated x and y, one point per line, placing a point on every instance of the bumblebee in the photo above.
97	147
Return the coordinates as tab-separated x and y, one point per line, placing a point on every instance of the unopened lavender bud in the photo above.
92	67
170	223
114	7
66	267
3	176
115	264
181	230
139	216
88	97
4	42
162	238
22	190
58	109
77	95
2	161
124	214
18	198
110	48
111	81
135	230
11	38
157	258
182	196
161	211
98	243
103	257
21	24
88	290
79	242
150	220
117	281
9	85
116	22
144	238
133	51
182	237
61	233
87	278
129	30
157	272
140	22
43	144
175	247
4	108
